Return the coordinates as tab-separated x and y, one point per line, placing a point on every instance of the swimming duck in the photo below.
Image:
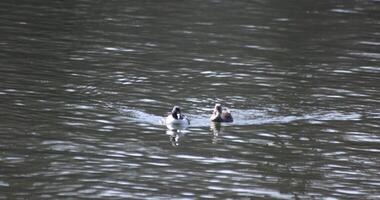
176	118
221	115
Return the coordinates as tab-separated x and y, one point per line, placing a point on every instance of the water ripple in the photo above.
84	86
246	117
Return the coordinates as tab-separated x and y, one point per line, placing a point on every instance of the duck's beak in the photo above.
178	116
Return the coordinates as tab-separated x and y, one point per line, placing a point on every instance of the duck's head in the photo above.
176	112
218	108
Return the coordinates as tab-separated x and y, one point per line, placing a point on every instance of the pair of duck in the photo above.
219	115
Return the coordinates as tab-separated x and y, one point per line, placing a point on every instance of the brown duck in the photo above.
221	115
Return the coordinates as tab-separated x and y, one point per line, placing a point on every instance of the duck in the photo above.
221	115
176	118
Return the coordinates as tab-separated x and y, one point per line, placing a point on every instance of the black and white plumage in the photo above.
176	118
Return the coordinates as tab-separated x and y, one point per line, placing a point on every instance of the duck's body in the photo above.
176	118
221	115
169	120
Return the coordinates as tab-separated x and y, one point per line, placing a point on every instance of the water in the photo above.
84	84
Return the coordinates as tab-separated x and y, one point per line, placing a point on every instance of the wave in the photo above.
245	117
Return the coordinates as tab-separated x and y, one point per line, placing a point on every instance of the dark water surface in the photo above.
83	85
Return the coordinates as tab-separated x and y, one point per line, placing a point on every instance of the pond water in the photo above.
84	85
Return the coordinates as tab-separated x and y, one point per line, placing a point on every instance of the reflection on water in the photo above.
175	131
84	85
175	134
216	129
